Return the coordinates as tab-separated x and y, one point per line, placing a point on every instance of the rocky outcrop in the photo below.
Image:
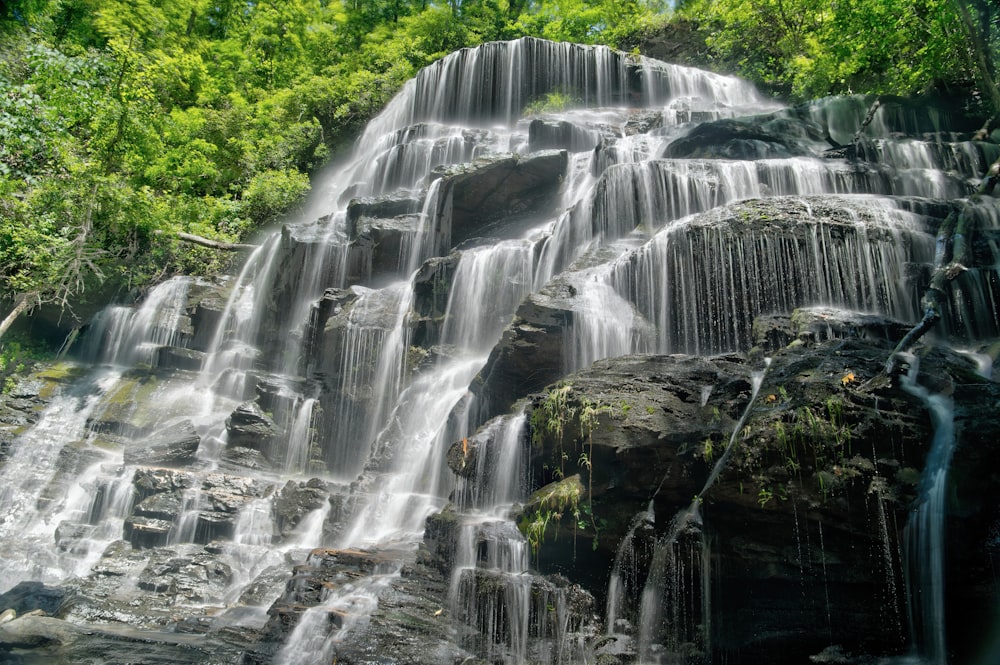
825	459
476	197
249	427
529	355
737	139
173	446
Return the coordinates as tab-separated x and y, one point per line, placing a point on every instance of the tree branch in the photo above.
22	304
208	242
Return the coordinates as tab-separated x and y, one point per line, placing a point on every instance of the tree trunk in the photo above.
950	257
22	304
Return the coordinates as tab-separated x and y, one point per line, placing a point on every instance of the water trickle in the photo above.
925	530
625	581
496	278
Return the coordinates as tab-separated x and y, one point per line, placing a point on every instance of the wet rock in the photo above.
819	324
497	190
146	532
295	500
249	427
431	291
441	532
555	608
398	204
197	577
206	305
172	357
379	246
246	458
548	133
29	596
529	355
732	139
173	446
148	482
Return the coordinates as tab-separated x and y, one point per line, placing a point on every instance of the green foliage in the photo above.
550	503
812	48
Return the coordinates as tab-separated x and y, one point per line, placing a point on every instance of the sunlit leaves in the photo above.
813	48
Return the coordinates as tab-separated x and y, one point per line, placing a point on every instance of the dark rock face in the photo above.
827	453
530	353
379	246
502	188
250	427
546	134
295	500
732	139
172	357
173	446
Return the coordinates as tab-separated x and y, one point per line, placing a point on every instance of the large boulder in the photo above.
733	139
809	479
478	198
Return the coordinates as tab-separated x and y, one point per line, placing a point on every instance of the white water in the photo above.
925	532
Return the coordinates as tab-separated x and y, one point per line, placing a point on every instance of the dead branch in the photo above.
211	244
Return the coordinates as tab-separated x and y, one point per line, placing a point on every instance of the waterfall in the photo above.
302	422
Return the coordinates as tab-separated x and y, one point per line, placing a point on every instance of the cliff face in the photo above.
798	543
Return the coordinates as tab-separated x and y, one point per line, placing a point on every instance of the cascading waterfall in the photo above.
322	364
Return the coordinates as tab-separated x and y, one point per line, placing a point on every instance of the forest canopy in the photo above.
126	123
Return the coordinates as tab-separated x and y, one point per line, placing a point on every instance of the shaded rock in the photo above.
497	190
548	133
431	291
29	596
529	354
817	324
397	204
146	532
172	446
206	305
732	139
441	531
172	357
246	458
295	500
379	246
249	427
